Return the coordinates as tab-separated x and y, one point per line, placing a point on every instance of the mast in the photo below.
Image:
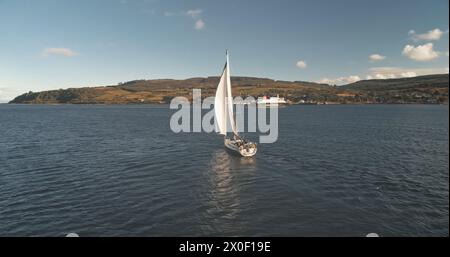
230	96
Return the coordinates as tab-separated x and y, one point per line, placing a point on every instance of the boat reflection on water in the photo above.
228	174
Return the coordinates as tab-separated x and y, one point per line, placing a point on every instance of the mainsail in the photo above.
223	103
220	108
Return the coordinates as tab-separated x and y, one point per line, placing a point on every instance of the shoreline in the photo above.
162	104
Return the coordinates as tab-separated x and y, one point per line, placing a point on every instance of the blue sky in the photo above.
52	44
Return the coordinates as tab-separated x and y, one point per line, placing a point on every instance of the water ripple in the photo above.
119	170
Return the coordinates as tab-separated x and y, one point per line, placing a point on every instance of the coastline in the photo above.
430	89
163	104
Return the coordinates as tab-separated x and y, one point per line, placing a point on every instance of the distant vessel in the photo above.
223	108
271	100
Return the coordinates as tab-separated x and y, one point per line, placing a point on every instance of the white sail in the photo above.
223	103
220	108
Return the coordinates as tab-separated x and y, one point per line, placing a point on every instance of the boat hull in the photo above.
243	149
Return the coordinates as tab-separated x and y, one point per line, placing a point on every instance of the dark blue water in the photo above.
120	171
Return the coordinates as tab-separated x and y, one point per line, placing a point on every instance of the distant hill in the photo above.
421	82
423	89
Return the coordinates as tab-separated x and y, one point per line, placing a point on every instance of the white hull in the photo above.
245	150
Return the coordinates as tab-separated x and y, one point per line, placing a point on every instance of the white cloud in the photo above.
408	74
434	34
376	57
325	81
421	52
340	80
194	13
412	32
67	52
301	64
169	14
381	76
352	79
398	72
446	53
199	24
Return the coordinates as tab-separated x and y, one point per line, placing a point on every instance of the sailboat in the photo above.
223	107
